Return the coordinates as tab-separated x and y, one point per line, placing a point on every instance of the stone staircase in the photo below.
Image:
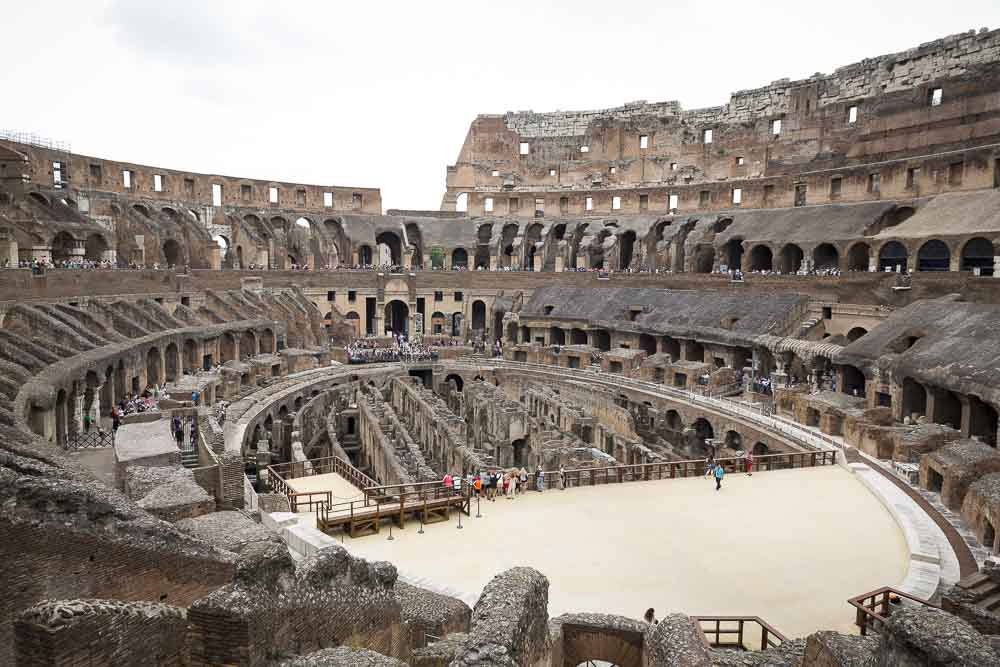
984	591
189	457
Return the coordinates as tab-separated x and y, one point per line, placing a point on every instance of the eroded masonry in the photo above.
211	386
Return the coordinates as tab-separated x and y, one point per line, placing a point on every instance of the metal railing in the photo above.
872	609
95	439
732	632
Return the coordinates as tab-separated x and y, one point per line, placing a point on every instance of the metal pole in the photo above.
460	517
390	531
478	515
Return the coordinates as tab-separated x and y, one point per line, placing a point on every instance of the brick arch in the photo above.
620	647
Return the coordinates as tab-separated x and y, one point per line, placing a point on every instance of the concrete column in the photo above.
94	409
561	263
78	409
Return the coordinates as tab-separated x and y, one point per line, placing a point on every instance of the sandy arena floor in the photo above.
789	546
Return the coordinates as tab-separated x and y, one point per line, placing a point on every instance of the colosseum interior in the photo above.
248	422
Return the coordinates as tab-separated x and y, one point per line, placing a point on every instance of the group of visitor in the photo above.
177	428
367	351
489	484
716	471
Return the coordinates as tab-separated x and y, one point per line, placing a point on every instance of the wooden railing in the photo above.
279	473
872	609
732	632
687	468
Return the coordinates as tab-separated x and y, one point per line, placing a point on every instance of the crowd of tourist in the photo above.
490	484
371	350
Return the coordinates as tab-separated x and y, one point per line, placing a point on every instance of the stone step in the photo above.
990	603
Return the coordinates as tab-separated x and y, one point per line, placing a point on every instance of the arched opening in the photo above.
557	336
947	409
172	252
459	259
704	259
761	258
95	248
416	241
172	362
456	324
982	421
626	246
479	316
933	256
521	451
365	255
462	202
734	254
227	347
854	381
647	343
759	449
397	315
354	320
856	333
223	244
248	344
602	340
859	257
734	440
154	366
673	422
914	399
191	361
266	341
239	258
577	337
790	258
892	257
63	246
672	346
702	435
825	256
438	323
390	249
978	253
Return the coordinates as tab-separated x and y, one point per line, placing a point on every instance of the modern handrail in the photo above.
769	635
867	618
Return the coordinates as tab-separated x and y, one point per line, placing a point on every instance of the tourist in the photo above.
650	616
194	433
562	478
522	480
718	474
447	481
748	463
194	397
116	420
477	484
86	421
709	465
539	480
512	486
456	482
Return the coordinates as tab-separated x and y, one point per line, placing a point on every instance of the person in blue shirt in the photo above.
719	472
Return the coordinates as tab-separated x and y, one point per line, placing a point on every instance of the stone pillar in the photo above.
996	266
561	263
78	408
537	262
494	262
8	252
94	409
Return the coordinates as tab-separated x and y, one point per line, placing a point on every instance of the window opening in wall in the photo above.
564	205
955	173
328	200
488	204
852	114
836	184
768	193
83	201
525	148
331	296
127	178
739	162
352	296
157	183
57	170
613	170
494	173
459	296
827	313
584	149
911	177
704	197
776	126
539	208
706	136
95	171
514	205
673	202
935	96
357	201
216	194
462	202
800	194
996	172
643	202
616	203
673	166
272	195
300	197
589	204
439	296
246	192
552	172
737	195
874	183
189	187
643	141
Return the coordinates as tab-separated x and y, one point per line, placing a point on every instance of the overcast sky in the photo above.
381	94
